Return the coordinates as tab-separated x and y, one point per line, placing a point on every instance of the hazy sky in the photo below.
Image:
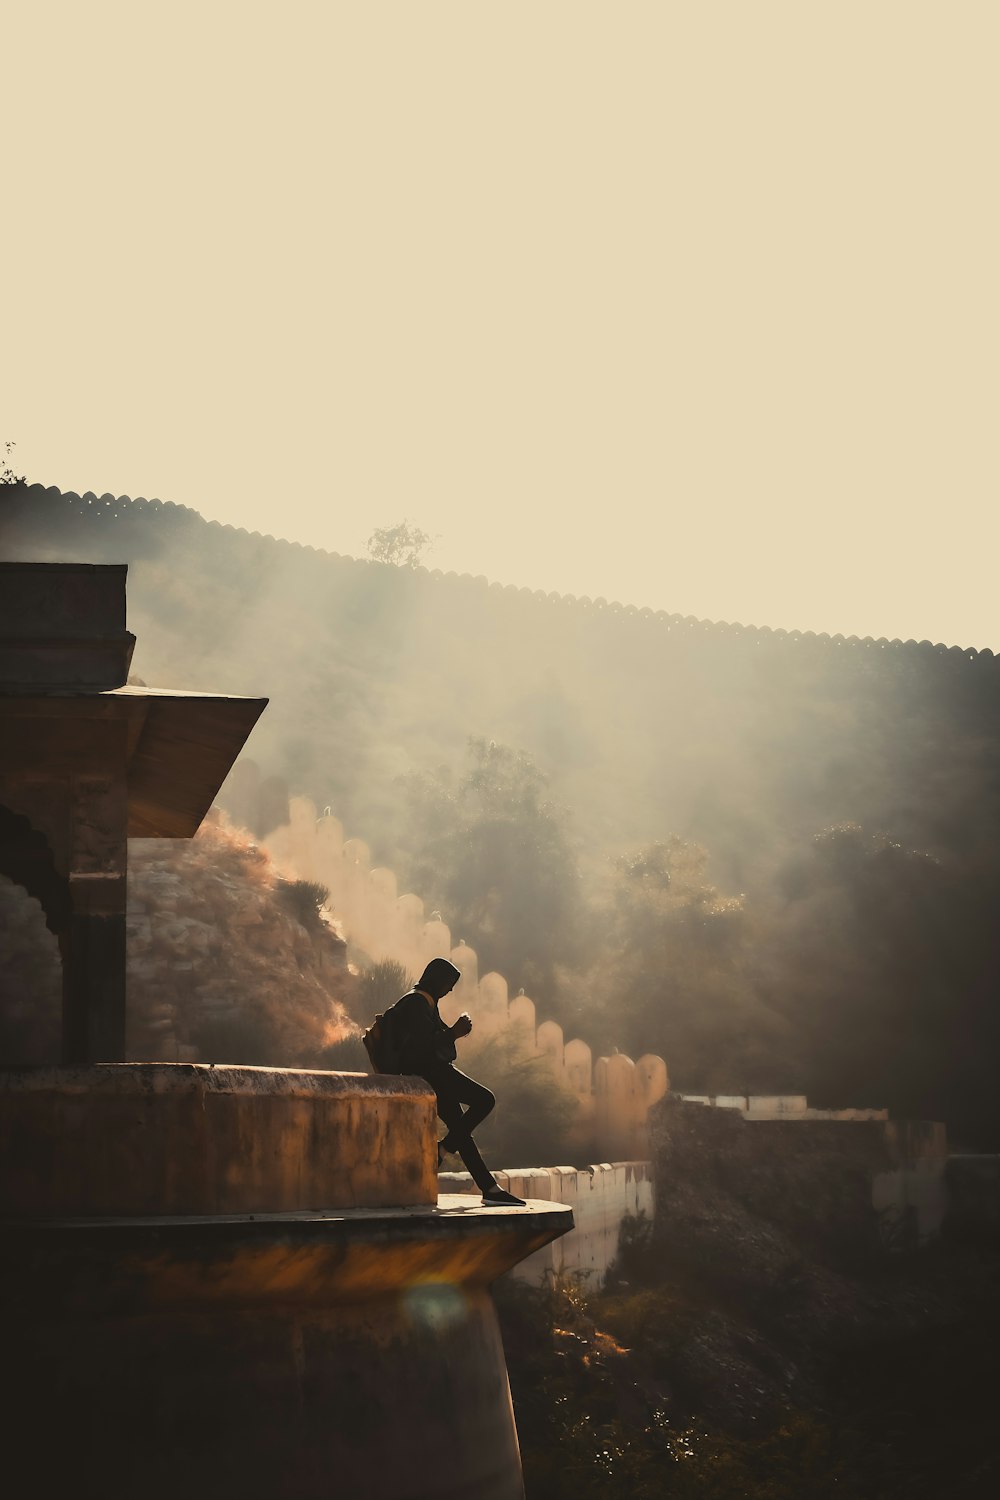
692	304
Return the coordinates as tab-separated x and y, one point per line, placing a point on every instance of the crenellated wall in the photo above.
613	1094
601	1196
36	512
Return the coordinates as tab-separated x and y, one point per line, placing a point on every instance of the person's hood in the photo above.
438	978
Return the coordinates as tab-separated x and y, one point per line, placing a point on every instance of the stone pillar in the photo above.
93	949
93	938
82	817
94	941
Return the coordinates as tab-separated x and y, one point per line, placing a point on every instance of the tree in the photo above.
675	975
7	474
495	855
886	960
402	545
378	987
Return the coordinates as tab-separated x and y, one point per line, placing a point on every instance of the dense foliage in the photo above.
491	850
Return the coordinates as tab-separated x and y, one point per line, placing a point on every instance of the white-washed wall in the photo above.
614	1094
600	1197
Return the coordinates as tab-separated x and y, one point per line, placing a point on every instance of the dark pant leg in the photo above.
478	1098
453	1089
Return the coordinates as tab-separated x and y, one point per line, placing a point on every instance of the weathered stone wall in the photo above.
199	1139
828	1184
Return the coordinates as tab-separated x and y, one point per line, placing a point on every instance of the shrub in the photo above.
379	986
305	900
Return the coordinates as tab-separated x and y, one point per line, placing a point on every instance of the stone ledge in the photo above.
449	1208
129	1267
143	1078
599	1195
128	1140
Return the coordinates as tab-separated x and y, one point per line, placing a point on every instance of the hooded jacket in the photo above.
427	1042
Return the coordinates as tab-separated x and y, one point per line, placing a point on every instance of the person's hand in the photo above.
463	1025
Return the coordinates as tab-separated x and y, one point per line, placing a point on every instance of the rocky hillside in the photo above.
227	962
755	1343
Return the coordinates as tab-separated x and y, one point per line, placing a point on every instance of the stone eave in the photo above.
181	746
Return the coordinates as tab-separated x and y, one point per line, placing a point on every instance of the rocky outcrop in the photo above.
227	961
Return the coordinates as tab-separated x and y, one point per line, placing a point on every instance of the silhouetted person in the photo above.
428	1049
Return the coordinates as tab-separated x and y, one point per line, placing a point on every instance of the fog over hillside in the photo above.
780	851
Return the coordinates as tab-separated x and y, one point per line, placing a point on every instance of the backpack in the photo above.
382	1043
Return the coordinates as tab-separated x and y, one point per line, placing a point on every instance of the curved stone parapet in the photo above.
239	1281
190	1138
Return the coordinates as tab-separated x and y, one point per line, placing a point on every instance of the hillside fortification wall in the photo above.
33	514
614	1094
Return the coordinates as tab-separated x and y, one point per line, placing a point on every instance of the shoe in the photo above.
443	1151
500	1196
